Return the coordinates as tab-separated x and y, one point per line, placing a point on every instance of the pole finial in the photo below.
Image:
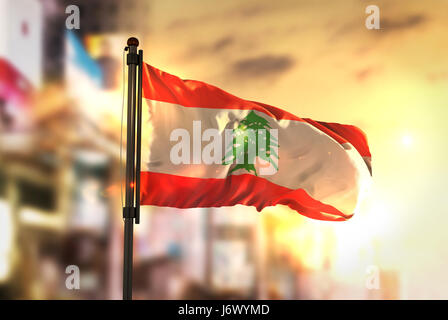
133	42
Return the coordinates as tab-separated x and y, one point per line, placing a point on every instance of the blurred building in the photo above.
97	17
54	40
54	178
55	167
23	20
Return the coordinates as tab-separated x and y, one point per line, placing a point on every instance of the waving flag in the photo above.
203	147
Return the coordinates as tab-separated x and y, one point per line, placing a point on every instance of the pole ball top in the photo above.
133	42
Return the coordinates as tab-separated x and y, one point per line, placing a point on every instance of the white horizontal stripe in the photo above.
308	158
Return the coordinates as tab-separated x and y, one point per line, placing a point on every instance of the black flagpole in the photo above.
139	137
132	209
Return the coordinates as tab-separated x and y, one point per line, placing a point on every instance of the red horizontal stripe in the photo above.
352	134
320	125
344	133
161	86
167	190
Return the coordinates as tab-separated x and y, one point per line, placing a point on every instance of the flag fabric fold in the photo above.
203	147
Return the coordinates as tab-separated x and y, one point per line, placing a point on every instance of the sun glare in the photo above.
407	140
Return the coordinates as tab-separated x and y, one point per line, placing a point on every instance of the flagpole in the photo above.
139	137
131	208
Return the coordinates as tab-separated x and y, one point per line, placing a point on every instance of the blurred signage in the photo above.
107	51
21	23
80	67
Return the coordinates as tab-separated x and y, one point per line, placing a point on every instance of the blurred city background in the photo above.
60	113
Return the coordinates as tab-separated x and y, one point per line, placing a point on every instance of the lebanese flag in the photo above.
318	169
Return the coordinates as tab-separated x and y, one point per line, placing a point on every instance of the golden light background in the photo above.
317	59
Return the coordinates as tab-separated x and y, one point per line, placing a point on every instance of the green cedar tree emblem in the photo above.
255	123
